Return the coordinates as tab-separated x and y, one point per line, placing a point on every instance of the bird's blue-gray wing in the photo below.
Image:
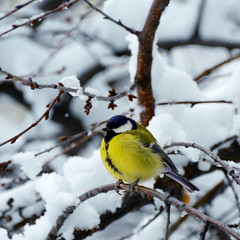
169	165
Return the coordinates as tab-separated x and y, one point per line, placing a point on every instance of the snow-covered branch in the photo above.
231	171
147	191
34	85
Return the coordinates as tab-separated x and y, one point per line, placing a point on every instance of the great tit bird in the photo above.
131	153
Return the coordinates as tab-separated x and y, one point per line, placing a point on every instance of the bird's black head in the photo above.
117	125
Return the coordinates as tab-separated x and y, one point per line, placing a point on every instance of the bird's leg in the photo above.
119	181
131	186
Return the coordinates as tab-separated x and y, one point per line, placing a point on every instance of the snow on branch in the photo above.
113	96
149	192
231	171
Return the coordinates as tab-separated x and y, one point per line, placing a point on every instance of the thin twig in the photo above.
210	70
229	169
168	208
147	191
111	19
41	16
217	145
204	231
234	192
60	43
207	198
146	224
169	44
45	115
193	103
35	85
18	7
199	18
69	148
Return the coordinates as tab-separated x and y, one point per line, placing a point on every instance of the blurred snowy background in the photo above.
193	35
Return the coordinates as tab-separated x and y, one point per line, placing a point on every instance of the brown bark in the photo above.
144	61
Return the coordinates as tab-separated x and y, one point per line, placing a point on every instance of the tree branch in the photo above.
41	16
197	41
111	19
168	211
140	189
229	169
210	70
45	115
193	103
207	198
18	7
204	230
144	60
34	85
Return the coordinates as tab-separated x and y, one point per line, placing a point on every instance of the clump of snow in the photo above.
3	234
30	164
56	192
71	82
91	90
37	231
83	218
173	84
79	170
166	130
133	46
204	166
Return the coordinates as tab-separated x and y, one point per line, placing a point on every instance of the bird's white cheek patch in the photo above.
126	127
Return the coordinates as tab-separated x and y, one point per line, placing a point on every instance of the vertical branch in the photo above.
168	206
144	60
204	229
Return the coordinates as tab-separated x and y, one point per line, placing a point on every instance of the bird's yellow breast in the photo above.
126	158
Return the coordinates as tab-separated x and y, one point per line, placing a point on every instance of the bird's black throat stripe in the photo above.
109	135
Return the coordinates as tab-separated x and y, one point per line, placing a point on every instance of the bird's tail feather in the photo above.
183	181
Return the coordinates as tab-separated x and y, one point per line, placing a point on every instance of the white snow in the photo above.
172	80
30	165
3	234
71	82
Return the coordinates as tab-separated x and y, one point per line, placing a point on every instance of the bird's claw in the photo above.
116	188
132	185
